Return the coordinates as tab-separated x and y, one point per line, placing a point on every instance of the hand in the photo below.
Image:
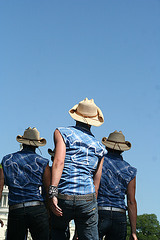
133	237
1	222
75	237
55	208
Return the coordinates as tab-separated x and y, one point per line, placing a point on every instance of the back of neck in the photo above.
83	125
29	148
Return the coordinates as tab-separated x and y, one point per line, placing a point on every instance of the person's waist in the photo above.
17	196
113	209
90	196
25	204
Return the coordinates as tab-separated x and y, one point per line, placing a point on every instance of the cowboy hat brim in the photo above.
116	145
94	121
37	143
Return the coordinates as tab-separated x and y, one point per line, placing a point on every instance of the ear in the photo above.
72	110
100	115
128	144
104	139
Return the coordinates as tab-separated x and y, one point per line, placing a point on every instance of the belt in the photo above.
26	204
77	197
112	209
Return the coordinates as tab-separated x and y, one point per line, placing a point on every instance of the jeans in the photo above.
112	225
85	215
34	218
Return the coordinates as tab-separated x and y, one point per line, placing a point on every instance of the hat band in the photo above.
80	114
115	141
31	139
115	144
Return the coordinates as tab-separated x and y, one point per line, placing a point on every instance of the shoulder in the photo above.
7	159
99	148
65	132
102	148
65	129
128	165
8	156
129	170
108	161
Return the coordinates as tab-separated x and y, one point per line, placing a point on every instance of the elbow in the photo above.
58	163
132	204
1	189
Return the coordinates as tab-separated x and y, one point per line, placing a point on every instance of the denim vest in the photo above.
116	174
83	152
23	172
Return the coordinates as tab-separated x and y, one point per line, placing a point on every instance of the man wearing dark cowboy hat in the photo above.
76	168
24	172
118	178
1	188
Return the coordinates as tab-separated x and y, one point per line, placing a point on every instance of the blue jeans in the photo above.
85	215
33	218
112	225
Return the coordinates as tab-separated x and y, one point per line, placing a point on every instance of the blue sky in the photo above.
54	54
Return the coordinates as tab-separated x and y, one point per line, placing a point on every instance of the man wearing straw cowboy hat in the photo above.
118	178
24	172
76	168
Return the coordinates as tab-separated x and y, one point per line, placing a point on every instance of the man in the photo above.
1	189
118	178
77	165
24	172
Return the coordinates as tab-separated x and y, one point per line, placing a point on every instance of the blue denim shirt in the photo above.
116	174
83	152
23	172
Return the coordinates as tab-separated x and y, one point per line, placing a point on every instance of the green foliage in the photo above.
128	230
148	227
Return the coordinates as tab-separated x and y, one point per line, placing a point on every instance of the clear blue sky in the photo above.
53	54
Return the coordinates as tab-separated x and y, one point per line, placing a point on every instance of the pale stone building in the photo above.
4	212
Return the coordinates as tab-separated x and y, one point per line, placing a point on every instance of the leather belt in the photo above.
112	209
77	197
26	204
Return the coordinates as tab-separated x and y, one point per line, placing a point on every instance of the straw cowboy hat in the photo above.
116	141
31	137
87	112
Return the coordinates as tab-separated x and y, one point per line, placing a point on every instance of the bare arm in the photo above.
97	176
57	168
47	178
47	182
59	157
132	207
